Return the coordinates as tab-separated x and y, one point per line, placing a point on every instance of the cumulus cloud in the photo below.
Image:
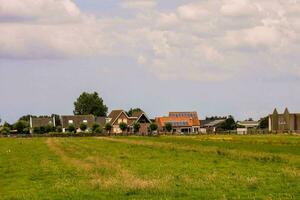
206	41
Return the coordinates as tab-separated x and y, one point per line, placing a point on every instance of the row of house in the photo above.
182	122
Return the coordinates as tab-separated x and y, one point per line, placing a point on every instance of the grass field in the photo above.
196	167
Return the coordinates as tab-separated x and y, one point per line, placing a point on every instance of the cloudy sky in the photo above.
218	57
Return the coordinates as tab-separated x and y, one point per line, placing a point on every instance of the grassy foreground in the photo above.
200	167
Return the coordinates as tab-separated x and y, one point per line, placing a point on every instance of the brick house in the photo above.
76	120
182	122
118	116
284	122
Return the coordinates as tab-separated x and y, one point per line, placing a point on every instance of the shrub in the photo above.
123	126
108	127
71	129
49	128
168	127
58	129
136	127
5	130
98	130
83	127
36	130
94	127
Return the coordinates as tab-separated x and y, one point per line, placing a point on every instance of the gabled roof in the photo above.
175	121
212	123
41	121
101	121
77	120
114	114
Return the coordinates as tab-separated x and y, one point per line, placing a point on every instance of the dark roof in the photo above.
114	114
41	121
101	121
211	123
137	114
77	120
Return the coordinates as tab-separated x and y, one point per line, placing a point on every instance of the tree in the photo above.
228	124
83	127
108	127
90	103
5	130
94	127
132	110
123	126
98	130
168	127
26	118
21	126
153	127
264	123
136	127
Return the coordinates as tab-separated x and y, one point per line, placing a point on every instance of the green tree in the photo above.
136	127
123	126
98	130
5	130
108	127
90	103
168	127
94	127
21	126
83	127
132	110
228	124
153	127
264	123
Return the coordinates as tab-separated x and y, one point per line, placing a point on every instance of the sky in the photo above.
216	57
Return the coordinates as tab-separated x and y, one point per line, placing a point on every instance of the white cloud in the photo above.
138	4
208	40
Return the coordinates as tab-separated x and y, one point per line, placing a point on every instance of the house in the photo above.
118	116
245	126
286	122
35	122
182	122
211	125
76	120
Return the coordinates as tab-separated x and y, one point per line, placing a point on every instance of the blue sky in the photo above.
215	57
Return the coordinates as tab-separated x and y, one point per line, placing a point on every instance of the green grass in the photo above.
196	167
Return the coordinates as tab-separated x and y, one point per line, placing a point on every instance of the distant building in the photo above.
211	125
120	116
182	122
35	122
76	120
245	126
284	122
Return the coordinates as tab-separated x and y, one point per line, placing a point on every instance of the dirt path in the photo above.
121	178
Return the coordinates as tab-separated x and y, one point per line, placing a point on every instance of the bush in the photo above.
37	130
94	127
123	126
136	127
49	128
58	129
5	130
108	127
168	127
83	127
98	130
71	129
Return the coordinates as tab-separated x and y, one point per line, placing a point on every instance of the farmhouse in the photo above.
284	122
76	120
119	116
182	122
211	125
245	126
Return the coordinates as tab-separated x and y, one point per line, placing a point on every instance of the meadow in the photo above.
166	167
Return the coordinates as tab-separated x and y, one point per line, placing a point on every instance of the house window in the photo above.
85	121
125	121
119	121
70	121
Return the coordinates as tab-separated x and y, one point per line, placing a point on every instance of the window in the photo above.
85	121
119	121
70	121
125	121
